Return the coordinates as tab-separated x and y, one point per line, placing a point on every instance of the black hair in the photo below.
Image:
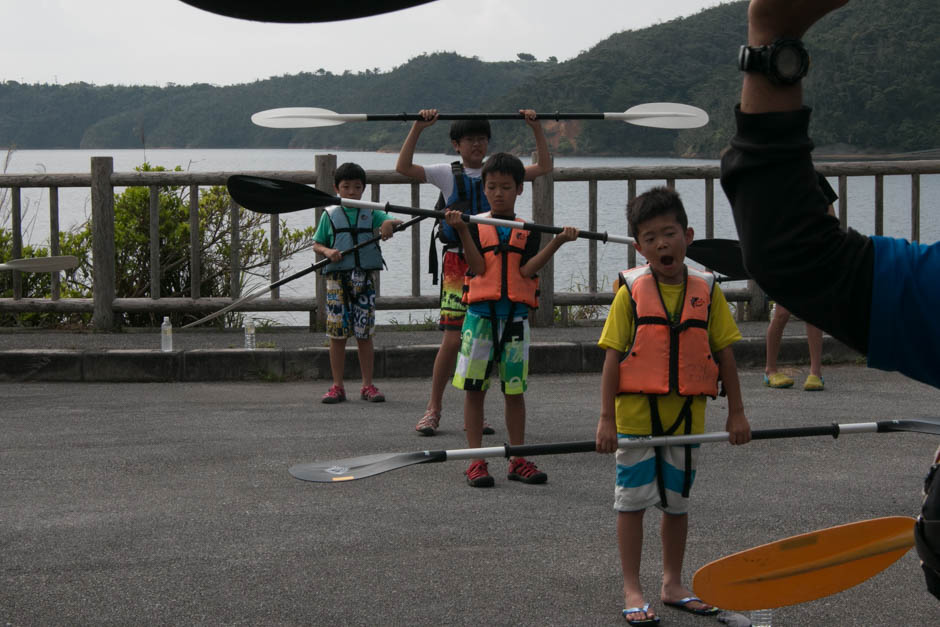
504	163
659	201
462	128
349	172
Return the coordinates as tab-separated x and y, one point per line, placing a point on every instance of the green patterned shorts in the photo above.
476	355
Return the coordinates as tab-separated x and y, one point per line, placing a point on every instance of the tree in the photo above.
525	56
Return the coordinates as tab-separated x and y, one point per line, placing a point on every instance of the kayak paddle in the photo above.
41	264
266	195
315	266
804	567
654	114
354	468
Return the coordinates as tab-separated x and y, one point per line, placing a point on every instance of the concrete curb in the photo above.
273	364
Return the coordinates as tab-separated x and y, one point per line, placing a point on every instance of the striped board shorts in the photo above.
476	353
637	488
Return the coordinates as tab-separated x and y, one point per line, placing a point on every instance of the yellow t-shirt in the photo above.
633	410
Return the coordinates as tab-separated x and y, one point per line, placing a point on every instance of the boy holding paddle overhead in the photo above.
461	188
350	279
500	286
668	340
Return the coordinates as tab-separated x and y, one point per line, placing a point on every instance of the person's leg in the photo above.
515	418
337	359
338	329
675	530
473	417
366	360
630	546
774	336
443	368
814	337
452	311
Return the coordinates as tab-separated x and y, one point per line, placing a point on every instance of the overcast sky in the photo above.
155	42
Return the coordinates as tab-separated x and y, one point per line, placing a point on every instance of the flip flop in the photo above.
683	604
643	621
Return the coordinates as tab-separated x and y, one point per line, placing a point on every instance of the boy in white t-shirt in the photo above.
462	189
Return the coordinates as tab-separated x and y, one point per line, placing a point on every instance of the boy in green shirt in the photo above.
350	279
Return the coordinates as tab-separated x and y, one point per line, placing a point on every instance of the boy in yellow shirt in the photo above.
655	379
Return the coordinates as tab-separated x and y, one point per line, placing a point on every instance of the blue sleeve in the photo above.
905	309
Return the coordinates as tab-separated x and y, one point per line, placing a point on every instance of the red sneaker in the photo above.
371	393
336	394
521	469
478	476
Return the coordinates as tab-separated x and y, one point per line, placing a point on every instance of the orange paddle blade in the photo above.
805	567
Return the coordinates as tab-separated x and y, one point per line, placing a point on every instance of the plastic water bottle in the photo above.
762	618
166	335
250	333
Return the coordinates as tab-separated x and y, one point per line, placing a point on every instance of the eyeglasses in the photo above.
476	139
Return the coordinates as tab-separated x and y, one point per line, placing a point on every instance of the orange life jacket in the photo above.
501	276
663	356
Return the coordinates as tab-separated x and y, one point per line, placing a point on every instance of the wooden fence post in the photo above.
325	167
102	243
543	212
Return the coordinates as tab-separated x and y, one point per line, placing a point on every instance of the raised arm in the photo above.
769	20
405	164
544	164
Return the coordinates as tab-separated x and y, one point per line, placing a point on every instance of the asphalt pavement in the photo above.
171	503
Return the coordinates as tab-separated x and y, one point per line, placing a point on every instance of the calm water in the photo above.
570	207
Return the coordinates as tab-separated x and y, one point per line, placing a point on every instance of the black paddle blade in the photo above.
361	467
923	425
299	11
721	255
266	195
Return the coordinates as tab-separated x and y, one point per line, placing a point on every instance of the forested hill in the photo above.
874	81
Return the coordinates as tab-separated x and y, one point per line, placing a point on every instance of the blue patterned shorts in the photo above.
350	304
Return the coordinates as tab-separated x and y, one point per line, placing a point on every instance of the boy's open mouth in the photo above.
666	260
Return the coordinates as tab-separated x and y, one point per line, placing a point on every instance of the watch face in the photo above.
788	62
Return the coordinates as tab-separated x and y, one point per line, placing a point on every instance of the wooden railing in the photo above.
102	181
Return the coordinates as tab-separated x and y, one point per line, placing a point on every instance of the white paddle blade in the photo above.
662	115
41	264
303	117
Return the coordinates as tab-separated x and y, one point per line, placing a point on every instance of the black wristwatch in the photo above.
784	62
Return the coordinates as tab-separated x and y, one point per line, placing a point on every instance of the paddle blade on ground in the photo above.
362	467
805	567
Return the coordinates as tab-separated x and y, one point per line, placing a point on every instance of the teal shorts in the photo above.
476	357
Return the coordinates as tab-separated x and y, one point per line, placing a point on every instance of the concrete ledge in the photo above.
592	357
408	361
126	366
233	364
554	358
40	365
